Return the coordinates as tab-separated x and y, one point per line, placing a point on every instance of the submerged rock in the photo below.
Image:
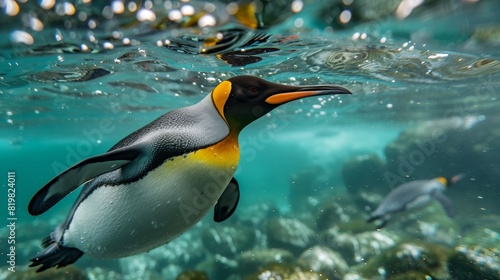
257	214
306	187
474	262
228	240
325	261
355	226
359	247
364	173
331	215
364	180
192	275
341	215
170	255
250	261
410	275
369	200
484	230
99	273
285	272
432	225
220	267
65	273
290	234
411	260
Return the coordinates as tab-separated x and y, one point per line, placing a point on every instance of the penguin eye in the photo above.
253	91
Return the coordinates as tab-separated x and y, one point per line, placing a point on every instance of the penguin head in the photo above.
243	99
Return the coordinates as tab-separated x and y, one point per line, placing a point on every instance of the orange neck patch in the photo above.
225	154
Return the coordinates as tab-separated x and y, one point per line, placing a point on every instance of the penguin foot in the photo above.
55	255
380	222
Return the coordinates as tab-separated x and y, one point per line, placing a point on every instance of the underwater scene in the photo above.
242	140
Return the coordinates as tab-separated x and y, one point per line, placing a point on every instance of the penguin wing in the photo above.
226	205
75	176
448	206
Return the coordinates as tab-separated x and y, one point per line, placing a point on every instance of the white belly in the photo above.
119	221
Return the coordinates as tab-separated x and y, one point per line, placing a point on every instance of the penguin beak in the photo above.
297	92
457	178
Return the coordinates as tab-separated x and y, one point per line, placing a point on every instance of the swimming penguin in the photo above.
159	181
415	195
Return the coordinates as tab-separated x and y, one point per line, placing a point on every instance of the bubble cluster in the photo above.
31	17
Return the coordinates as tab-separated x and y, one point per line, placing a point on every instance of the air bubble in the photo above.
145	15
154	224
108	46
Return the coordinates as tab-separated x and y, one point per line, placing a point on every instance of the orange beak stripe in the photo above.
288	96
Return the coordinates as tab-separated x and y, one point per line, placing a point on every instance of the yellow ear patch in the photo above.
220	94
442	180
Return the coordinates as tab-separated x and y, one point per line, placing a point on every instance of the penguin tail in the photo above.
55	255
382	224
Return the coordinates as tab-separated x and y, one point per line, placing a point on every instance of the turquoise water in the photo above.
75	91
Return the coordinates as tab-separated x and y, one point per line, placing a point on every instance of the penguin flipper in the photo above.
448	206
75	176
226	205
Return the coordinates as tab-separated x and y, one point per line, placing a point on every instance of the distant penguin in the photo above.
162	179
414	195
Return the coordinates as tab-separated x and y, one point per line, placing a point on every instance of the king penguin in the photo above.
162	179
415	195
